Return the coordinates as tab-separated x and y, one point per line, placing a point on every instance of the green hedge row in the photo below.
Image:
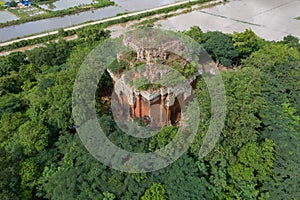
47	38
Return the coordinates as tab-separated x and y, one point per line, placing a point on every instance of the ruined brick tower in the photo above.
155	105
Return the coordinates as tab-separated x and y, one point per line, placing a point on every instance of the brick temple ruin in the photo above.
154	106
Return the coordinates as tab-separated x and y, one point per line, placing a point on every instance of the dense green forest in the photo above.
257	155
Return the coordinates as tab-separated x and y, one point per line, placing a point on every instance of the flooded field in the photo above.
6	16
270	19
64	4
29	28
129	5
8	33
137	5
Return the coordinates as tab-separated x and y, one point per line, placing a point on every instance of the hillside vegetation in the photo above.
256	157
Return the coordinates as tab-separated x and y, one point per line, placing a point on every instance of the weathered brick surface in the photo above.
161	106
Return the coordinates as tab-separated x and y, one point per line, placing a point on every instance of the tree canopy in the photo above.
256	157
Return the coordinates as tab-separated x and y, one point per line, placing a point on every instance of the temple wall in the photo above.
162	106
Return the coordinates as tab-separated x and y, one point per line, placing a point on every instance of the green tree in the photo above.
163	137
61	32
246	42
108	196
13	3
220	47
10	83
12	62
226	161
11	155
92	33
252	168
271	56
9	179
195	33
155	192
292	42
279	65
29	173
33	137
11	103
55	53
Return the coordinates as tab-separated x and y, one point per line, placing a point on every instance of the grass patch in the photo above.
45	2
19	13
2	5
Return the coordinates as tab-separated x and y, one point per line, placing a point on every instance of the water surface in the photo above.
6	16
137	5
29	28
270	19
64	4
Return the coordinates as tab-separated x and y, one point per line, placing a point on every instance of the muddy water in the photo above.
136	5
64	4
130	5
6	16
270	19
40	26
29	28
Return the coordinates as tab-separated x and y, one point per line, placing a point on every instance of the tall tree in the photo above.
246	42
155	192
279	65
220	47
